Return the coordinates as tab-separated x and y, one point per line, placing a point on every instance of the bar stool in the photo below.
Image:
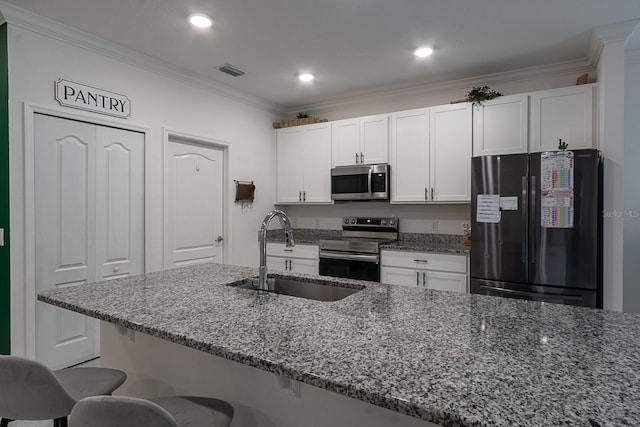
31	391
171	411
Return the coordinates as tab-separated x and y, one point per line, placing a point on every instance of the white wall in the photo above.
158	100
631	272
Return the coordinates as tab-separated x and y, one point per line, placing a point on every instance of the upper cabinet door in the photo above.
345	142
316	163
500	126
566	114
289	165
450	159
410	156
374	147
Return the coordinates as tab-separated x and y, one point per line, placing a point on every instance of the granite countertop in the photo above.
448	358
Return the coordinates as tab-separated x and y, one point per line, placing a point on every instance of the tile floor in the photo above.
94	362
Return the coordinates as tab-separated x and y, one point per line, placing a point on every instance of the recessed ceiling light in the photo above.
423	52
306	77
200	20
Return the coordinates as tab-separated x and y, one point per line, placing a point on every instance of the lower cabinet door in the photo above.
446	281
302	265
276	263
400	276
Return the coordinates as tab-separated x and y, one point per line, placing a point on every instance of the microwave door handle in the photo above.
369	180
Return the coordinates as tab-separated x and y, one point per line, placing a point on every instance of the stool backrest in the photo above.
30	391
110	411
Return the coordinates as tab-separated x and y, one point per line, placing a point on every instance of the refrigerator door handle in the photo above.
532	209
524	217
530	294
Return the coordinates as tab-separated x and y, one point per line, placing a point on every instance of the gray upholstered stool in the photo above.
31	391
173	411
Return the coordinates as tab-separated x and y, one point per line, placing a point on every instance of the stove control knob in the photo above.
384	222
353	221
391	222
346	220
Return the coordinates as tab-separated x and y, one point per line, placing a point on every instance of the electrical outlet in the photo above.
434	225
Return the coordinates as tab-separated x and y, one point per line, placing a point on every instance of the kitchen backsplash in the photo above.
420	219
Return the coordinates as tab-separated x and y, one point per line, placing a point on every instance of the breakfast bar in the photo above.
385	355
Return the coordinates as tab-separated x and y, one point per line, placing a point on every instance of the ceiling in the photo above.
351	45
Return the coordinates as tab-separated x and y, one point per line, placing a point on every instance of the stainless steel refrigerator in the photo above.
537	227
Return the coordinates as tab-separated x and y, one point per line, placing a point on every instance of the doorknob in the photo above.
219	239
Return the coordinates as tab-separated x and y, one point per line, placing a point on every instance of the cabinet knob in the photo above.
219	239
116	269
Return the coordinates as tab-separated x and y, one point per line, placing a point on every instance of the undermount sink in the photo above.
298	288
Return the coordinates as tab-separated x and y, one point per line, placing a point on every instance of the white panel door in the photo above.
450	142
410	156
89	222
500	126
374	146
565	113
345	142
65	235
193	204
316	164
446	281
289	165
400	276
120	203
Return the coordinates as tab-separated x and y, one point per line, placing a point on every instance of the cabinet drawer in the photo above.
298	251
425	261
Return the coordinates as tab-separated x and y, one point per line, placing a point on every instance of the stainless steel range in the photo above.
357	254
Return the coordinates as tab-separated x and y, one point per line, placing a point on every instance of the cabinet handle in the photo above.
304	196
426	193
290	265
417	278
299	196
361	157
431	193
357	158
424	279
421	260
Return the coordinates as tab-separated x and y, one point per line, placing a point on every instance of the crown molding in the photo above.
18	17
613	33
573	67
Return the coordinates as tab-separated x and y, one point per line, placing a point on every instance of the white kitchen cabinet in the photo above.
431	154
304	164
363	140
565	113
298	259
409	156
450	153
500	126
434	271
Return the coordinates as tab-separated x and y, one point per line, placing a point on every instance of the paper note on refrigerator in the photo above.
557	209
488	208
556	170
509	203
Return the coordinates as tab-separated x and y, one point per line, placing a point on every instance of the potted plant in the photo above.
478	94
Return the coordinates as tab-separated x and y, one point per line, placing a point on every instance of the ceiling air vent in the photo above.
231	70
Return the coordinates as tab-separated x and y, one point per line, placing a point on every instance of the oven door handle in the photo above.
350	257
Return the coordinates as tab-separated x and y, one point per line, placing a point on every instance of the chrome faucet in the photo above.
262	236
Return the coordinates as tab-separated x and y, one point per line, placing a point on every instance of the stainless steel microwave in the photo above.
363	182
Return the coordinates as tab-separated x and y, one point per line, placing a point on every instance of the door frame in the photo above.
227	214
29	112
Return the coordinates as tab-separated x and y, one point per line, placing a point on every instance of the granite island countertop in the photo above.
448	358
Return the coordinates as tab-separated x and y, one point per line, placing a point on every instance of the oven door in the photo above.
350	265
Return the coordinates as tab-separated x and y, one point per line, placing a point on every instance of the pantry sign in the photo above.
77	95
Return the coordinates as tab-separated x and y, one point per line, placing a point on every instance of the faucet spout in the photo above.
262	236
